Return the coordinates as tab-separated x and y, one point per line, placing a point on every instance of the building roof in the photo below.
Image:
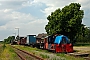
43	35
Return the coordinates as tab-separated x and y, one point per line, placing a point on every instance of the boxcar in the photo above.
31	40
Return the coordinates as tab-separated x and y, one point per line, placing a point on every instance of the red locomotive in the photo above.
58	43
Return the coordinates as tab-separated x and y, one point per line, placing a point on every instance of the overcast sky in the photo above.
30	15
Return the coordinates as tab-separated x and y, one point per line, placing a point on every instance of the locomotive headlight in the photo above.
70	44
62	45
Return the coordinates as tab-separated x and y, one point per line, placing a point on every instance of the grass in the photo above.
44	56
36	51
30	49
1	49
55	59
8	53
82	44
67	57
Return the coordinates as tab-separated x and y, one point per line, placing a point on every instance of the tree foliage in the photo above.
85	36
8	40
66	21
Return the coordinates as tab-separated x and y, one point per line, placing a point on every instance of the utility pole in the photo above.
15	35
18	32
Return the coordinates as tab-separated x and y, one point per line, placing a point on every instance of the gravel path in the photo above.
82	49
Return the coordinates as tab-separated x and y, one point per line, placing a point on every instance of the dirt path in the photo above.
82	48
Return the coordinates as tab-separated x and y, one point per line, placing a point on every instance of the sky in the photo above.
30	16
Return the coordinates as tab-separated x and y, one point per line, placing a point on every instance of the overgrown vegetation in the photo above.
69	57
7	53
83	37
44	56
82	44
41	53
9	39
1	49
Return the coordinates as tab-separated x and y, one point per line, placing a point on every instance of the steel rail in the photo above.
28	54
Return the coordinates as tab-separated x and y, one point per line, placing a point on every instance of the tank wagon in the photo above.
58	43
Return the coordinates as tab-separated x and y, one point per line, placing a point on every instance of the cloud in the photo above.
18	19
53	5
11	4
10	18
26	22
30	15
4	17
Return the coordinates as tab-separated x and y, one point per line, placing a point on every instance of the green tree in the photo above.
81	34
84	35
67	21
87	34
8	40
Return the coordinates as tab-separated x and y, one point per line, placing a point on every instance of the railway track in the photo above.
28	56
25	55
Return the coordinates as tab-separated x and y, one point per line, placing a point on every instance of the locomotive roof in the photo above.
58	39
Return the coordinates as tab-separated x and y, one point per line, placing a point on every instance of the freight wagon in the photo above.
23	41
58	43
19	41
31	40
40	40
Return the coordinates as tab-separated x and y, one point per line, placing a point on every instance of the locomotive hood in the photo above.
58	39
